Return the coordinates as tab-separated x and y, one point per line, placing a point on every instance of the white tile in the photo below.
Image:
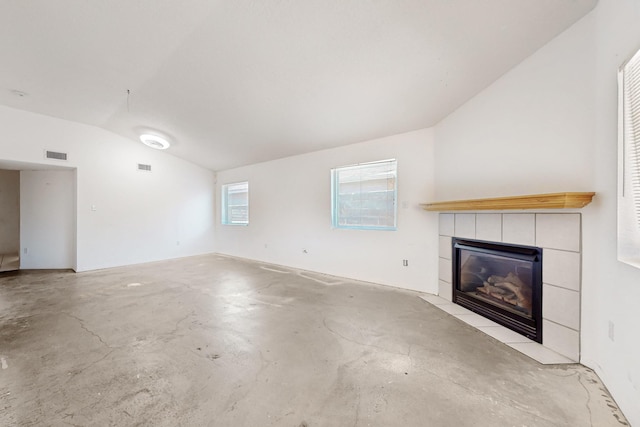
445	247
519	229
476	320
446	224
540	353
503	334
561	306
434	299
489	227
444	269
454	309
561	268
445	290
561	339
558	231
514	340
465	226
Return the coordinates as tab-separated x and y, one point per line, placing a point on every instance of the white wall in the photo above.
614	287
549	125
290	210
123	216
9	211
530	132
47	220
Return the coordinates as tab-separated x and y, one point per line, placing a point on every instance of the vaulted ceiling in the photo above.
235	82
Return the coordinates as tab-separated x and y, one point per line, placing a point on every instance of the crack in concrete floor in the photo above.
263	348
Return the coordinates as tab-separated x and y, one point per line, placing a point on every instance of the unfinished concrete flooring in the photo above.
216	341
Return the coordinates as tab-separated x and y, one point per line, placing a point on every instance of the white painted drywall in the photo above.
9	211
550	125
47	219
123	216
290	212
529	132
614	287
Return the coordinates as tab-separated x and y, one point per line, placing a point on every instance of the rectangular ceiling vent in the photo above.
144	168
55	155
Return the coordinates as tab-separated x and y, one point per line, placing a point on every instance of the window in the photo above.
364	196
235	203
629	162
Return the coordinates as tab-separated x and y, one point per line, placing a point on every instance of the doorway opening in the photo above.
9	220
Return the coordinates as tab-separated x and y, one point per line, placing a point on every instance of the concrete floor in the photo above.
217	341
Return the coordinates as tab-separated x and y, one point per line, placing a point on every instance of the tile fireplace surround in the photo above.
559	236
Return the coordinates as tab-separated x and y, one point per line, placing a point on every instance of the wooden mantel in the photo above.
533	201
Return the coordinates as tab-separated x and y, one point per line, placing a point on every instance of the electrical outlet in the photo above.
26	251
612	331
405	263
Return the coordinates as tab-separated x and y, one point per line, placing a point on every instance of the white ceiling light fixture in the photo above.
154	141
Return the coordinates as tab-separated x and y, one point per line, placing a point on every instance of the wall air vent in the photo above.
144	168
55	155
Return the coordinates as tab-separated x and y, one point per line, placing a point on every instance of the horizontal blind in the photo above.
236	203
365	195
631	107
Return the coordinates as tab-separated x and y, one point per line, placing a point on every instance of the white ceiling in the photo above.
235	82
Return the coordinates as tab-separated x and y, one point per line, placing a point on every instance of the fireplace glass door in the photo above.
501	282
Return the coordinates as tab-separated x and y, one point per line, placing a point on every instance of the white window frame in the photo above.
227	217
629	161
338	220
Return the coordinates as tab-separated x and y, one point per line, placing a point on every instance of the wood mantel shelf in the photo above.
533	201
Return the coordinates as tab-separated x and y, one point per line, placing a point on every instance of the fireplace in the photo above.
501	282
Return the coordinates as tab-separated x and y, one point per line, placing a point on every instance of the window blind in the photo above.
631	111
235	204
364	195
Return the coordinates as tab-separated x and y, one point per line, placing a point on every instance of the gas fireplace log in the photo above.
496	292
499	293
492	290
513	283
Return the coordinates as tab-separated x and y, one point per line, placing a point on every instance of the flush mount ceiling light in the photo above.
154	142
